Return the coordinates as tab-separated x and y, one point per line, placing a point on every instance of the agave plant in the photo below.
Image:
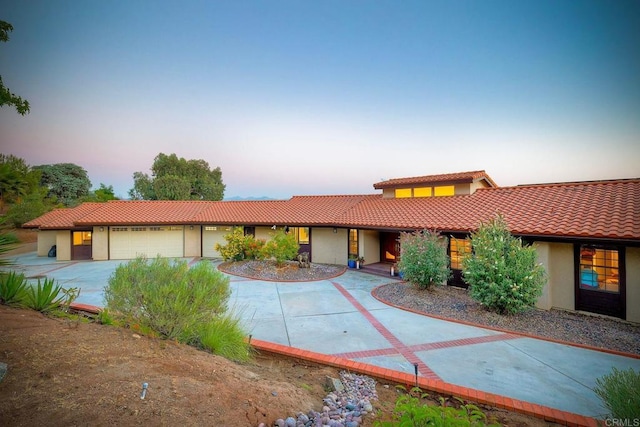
45	296
12	288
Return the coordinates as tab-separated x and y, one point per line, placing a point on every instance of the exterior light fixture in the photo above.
335	230
101	229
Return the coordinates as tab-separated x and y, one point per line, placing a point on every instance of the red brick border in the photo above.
435	385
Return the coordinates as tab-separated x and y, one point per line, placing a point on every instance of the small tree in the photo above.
282	247
423	258
502	273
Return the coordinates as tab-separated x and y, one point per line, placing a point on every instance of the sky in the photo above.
326	97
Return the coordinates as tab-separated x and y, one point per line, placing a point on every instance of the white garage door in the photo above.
130	242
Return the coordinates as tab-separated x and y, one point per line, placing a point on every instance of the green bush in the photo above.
410	411
281	247
234	250
44	296
502	273
167	297
620	394
423	258
225	336
13	288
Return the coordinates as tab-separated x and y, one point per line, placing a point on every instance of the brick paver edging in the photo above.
507	331
437	386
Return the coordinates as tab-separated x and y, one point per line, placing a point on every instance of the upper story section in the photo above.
451	184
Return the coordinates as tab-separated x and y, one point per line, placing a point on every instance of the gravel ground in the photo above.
288	272
455	303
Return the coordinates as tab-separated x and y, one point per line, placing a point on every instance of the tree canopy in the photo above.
176	178
17	179
6	96
68	182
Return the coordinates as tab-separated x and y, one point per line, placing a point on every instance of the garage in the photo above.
212	235
148	241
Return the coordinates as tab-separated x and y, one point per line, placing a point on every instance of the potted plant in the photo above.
352	261
359	262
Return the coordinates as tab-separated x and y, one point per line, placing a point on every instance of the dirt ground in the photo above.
62	372
69	372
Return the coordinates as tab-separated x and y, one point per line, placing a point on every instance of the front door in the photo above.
389	247
81	245
600	280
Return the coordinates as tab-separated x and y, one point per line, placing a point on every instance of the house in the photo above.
587	234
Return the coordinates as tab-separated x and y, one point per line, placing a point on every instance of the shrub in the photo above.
281	247
423	258
234	250
502	273
224	335
166	297
44	296
13	288
409	411
253	247
620	394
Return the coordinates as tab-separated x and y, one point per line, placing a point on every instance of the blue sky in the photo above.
326	97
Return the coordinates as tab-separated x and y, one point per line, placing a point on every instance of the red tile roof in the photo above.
601	209
61	219
131	212
448	178
598	209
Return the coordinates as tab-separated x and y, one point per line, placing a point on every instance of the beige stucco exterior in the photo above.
63	245
328	247
192	241
369	245
46	239
100	243
557	259
633	284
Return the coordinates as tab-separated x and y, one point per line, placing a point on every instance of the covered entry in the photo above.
81	245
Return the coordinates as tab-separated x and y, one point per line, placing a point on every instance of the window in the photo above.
599	269
422	192
303	235
119	229
446	190
458	248
353	242
402	193
82	238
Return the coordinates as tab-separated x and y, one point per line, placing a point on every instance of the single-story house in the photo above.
587	234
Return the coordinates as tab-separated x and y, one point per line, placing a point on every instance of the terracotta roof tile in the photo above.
130	212
449	178
64	218
600	209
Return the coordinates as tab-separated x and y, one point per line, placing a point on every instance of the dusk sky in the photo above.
326	97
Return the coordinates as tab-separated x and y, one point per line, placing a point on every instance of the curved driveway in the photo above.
339	317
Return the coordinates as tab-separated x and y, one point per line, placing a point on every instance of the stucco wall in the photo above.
63	245
328	247
561	275
543	250
633	284
46	239
192	241
369	242
100	243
